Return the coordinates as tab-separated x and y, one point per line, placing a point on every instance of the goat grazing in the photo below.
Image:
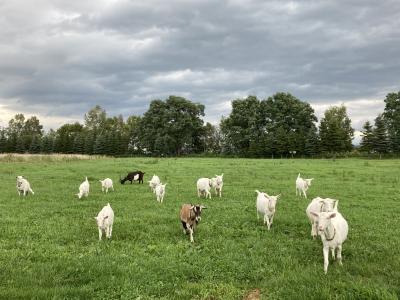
203	187
84	189
318	205
266	205
23	186
190	216
106	184
133	176
333	229
302	185
105	220
217	183
160	192
155	180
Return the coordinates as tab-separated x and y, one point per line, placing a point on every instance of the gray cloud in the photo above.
60	58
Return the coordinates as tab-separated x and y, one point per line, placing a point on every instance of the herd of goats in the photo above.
326	221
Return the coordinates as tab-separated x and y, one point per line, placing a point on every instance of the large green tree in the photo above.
391	116
244	127
381	142
291	122
367	140
335	130
172	126
278	125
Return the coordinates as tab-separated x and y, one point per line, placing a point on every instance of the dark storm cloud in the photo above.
60	58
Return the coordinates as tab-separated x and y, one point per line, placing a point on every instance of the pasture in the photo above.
49	244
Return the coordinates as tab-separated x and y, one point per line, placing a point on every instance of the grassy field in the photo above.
49	244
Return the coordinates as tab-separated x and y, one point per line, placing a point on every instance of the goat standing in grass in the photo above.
266	206
105	220
217	183
160	192
23	186
106	184
302	185
190	216
333	229
155	180
84	189
203	187
318	205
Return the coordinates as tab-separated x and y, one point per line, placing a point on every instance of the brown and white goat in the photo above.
190	217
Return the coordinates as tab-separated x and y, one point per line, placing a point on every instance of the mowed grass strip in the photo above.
49	244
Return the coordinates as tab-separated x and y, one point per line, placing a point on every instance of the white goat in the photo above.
84	189
23	186
106	184
203	187
105	220
318	205
302	185
160	192
333	230
190	216
266	205
155	180
217	183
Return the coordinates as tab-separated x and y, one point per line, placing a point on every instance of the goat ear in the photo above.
192	207
332	215
335	203
314	214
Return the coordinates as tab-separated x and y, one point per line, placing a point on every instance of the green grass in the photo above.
49	244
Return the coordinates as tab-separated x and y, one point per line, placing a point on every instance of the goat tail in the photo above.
298	176
257	191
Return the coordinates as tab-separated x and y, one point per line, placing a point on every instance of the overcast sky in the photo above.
59	58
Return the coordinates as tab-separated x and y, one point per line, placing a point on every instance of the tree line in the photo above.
279	126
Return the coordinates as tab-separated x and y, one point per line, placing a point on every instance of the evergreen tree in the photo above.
35	144
391	117
380	136
100	145
3	141
367	140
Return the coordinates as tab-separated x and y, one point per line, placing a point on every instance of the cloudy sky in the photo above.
59	58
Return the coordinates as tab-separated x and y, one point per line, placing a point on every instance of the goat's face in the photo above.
197	211
100	221
272	202
219	178
324	219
